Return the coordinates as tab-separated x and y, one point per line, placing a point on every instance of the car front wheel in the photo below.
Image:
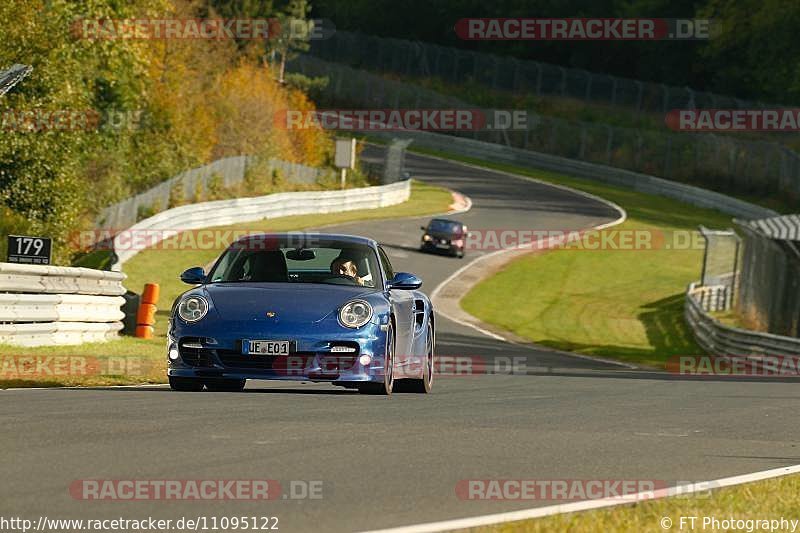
385	388
424	384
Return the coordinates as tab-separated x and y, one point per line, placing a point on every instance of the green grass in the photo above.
769	499
120	362
626	305
144	360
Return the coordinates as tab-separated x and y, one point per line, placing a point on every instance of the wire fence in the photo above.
225	172
711	161
419	59
12	76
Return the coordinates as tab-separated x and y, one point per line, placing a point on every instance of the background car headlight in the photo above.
355	314
427	238
193	308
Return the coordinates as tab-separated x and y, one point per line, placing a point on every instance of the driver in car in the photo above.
346	266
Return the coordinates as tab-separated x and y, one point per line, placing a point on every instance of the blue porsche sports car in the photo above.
306	307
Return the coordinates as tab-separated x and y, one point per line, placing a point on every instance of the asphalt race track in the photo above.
386	462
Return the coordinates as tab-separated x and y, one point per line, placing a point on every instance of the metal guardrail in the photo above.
719	339
593	171
223	212
48	305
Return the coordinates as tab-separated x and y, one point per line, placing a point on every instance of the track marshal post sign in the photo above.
345	156
29	250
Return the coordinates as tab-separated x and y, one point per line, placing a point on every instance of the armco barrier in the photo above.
224	212
718	339
46	305
498	153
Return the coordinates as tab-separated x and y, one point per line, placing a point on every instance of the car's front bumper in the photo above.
203	353
442	248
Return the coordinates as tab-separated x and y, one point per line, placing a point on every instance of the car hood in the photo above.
291	302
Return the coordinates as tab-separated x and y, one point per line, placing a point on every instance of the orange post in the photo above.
146	314
151	293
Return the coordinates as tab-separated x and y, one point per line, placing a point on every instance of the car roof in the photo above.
353	239
445	220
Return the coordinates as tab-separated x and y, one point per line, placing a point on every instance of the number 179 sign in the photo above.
29	250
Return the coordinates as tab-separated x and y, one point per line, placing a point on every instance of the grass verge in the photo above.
134	361
621	304
771	499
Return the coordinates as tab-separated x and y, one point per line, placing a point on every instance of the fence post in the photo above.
667	161
582	149
588	93
638	156
613	90
538	79
609	144
640	86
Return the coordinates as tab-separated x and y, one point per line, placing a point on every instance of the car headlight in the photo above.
193	308
355	314
427	238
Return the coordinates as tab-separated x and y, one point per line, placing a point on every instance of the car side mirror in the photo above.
194	276
423	228
405	281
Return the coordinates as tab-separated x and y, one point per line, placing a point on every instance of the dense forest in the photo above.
156	107
752	53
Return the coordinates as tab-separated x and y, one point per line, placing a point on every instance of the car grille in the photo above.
331	363
195	357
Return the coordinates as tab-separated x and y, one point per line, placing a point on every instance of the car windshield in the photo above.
444	226
287	259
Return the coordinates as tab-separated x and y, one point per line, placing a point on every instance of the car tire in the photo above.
424	385
185	384
387	386
225	385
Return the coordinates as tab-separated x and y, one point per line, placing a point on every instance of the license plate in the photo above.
443	246
269	348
